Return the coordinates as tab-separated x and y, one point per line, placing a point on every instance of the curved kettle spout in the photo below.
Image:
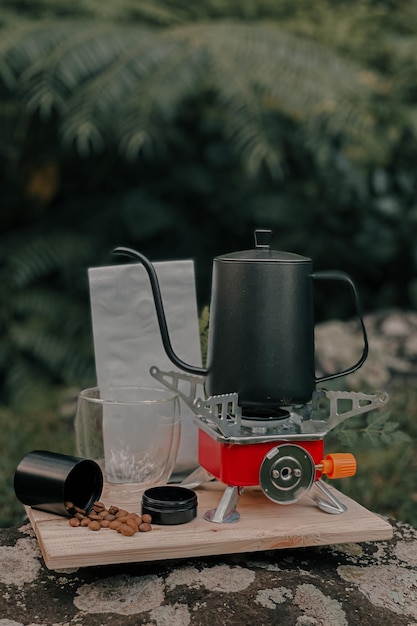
160	312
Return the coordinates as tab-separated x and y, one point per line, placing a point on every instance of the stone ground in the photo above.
392	355
349	584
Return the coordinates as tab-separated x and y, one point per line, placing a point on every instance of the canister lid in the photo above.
170	504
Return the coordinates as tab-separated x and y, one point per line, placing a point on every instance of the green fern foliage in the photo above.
374	430
124	84
203	323
44	336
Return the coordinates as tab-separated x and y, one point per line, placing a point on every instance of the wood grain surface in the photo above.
263	525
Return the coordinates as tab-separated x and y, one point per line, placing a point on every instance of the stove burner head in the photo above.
264	413
264	420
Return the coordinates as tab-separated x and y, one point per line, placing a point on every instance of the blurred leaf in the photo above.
112	82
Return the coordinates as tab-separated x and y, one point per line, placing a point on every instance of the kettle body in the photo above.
261	332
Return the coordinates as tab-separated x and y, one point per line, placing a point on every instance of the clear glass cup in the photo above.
133	433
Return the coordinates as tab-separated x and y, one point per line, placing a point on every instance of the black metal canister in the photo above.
48	481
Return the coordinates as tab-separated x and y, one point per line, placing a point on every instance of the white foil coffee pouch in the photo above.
127	340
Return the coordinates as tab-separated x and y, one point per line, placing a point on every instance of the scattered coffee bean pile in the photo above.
114	518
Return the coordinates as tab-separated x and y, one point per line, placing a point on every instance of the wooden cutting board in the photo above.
263	525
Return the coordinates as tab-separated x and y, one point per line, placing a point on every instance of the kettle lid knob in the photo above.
263	238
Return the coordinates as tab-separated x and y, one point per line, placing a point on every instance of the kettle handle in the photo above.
335	275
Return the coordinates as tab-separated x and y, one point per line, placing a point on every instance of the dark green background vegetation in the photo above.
177	128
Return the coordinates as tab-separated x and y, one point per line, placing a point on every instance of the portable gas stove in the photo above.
281	451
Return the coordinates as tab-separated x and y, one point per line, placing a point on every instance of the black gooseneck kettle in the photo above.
261	333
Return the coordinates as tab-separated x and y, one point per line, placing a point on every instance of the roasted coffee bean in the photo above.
146	518
131	522
74	521
145	527
115	524
94	525
94	516
126	530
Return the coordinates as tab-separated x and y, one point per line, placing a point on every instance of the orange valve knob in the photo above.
339	465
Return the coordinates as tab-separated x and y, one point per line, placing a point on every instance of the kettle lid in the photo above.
263	252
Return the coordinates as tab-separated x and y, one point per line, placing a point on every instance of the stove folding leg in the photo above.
226	512
325	499
198	477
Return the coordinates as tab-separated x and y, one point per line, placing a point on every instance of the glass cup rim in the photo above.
166	395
